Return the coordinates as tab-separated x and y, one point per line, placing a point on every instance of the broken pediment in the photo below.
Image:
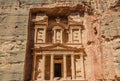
75	20
40	19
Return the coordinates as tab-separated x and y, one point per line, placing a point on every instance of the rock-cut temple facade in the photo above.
59	40
64	44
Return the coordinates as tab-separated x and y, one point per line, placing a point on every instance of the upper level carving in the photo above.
67	30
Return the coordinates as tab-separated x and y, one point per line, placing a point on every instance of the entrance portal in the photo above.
57	70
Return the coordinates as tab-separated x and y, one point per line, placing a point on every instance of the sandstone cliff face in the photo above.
13	24
14	16
111	41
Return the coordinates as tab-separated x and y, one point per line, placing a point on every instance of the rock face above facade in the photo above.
14	16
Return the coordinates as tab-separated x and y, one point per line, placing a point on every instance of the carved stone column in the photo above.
72	67
54	33
44	35
43	69
80	35
61	32
65	69
71	36
34	64
52	68
35	37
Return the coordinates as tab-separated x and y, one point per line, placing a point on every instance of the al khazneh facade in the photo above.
58	51
64	44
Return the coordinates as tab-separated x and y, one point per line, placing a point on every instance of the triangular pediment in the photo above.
60	47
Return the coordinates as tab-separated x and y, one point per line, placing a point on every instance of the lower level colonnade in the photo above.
58	67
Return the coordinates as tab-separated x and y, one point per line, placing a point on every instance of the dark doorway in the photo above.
57	70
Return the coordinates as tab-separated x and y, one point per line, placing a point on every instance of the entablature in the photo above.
59	48
57	53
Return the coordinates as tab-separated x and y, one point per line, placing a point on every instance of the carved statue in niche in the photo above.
39	69
40	36
57	31
68	36
78	68
76	35
58	35
57	20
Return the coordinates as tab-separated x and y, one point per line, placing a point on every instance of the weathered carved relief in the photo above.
57	29
58	47
76	34
75	18
78	68
75	28
40	36
57	36
41	22
39	68
40	17
67	37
